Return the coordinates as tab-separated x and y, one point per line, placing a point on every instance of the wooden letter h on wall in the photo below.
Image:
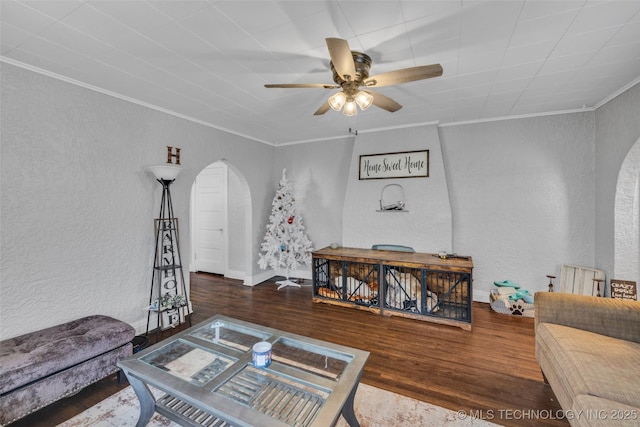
171	155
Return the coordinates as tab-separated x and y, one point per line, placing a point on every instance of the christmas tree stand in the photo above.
287	282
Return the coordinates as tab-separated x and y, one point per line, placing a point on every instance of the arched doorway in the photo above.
221	222
627	218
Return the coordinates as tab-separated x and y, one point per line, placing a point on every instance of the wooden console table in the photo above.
416	285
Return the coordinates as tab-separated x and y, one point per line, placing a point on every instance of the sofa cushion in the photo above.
607	316
35	355
587	363
594	411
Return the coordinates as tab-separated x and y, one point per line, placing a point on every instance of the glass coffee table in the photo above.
209	379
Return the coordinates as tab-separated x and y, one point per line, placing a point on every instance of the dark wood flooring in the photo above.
490	372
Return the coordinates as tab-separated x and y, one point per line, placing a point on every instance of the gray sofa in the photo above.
589	351
38	368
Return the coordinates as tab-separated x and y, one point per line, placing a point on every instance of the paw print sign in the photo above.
516	308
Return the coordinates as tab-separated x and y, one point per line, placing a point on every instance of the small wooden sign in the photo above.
624	289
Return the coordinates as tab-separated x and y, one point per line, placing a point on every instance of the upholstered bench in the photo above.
38	368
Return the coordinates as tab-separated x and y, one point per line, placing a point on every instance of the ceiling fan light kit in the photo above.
350	108
337	101
364	100
351	72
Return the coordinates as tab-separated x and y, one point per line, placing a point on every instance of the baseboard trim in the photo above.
140	326
258	278
235	274
480	295
269	274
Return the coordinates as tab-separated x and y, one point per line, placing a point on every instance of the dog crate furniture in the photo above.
415	285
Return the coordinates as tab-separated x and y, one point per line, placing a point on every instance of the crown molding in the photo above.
618	92
125	98
331	138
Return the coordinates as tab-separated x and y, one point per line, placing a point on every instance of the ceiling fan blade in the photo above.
341	58
404	75
303	85
384	102
323	109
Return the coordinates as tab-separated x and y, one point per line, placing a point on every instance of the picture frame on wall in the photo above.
406	164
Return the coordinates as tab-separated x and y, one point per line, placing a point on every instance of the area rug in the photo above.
374	408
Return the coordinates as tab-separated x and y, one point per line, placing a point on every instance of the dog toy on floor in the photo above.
519	295
508	283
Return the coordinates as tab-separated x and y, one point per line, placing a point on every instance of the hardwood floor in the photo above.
490	372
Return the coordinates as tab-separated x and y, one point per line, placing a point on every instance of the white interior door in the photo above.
211	219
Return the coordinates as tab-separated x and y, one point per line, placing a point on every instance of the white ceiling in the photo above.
209	60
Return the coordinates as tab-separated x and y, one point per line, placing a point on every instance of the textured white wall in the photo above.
617	130
318	172
426	226
77	207
627	218
522	196
239	207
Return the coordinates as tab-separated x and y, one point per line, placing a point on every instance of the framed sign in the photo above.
408	164
624	289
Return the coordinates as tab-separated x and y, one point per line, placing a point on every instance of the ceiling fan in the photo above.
351	73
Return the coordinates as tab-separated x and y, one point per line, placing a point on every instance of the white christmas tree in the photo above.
285	243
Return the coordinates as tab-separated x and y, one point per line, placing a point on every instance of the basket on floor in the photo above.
500	303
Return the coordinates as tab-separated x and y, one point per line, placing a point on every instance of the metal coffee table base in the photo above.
186	414
208	378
